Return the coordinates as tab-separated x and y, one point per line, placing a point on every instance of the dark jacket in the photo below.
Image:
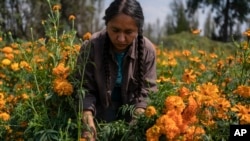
96	98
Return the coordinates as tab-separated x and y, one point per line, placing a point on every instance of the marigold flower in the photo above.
213	55
174	103
7	49
61	71
4	116
153	133
87	36
24	96
2	103
72	17
6	62
202	67
77	48
189	76
57	7
15	66
196	31
168	127
247	33
186	52
62	87
243	91
194	133
9	56
243	113
183	91
190	110
208	89
25	65
150	111
162	79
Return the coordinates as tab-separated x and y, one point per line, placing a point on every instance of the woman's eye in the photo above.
128	32
115	30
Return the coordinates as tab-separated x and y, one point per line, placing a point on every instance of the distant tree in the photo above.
169	25
227	14
208	26
87	14
20	16
177	22
148	31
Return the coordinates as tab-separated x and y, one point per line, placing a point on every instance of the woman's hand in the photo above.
90	132
137	112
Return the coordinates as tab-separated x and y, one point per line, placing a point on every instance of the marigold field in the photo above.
201	91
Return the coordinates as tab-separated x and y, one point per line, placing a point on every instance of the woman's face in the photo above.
122	30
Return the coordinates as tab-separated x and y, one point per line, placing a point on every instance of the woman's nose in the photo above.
121	37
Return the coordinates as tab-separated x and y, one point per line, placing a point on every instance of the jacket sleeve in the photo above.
149	79
86	90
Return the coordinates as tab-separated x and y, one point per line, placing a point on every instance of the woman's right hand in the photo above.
90	133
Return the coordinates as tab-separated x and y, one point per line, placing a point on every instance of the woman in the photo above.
122	65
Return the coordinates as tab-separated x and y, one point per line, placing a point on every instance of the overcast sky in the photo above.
152	9
158	9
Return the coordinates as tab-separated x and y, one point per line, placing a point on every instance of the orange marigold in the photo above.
247	33
243	91
196	31
190	110
188	76
174	103
7	49
57	7
4	116
153	133
15	66
194	133
183	91
62	87
168	126
61	71
72	17
243	112
150	111
87	36
208	90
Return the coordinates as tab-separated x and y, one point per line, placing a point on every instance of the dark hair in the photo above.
131	8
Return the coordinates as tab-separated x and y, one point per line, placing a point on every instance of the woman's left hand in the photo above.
139	111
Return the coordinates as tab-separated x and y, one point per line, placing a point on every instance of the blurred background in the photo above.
218	20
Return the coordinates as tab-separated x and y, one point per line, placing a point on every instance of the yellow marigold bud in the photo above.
1	39
72	17
6	62
87	36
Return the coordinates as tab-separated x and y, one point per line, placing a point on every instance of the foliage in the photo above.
228	13
19	16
